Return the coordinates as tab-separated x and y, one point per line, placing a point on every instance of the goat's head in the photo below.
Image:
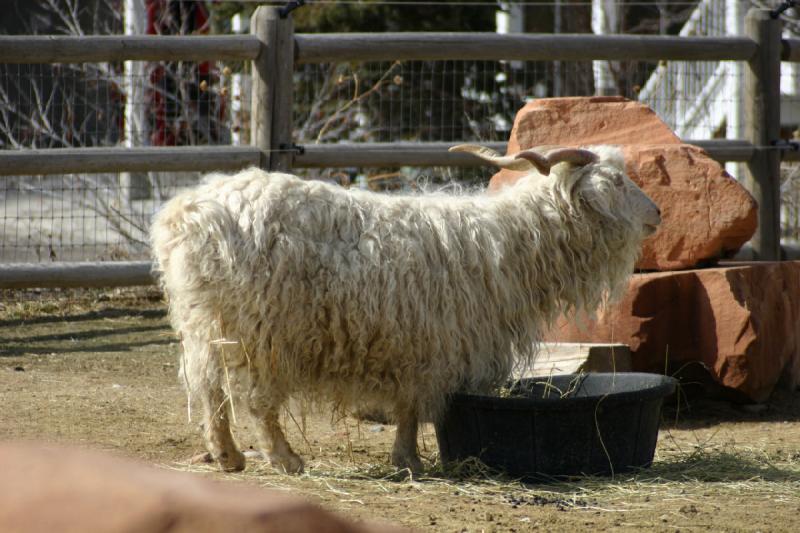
596	175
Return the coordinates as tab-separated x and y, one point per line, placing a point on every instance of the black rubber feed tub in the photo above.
559	426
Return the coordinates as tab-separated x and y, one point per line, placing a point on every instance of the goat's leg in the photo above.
202	378
273	442
217	429
404	451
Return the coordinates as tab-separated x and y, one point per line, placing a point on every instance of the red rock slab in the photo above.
587	120
705	213
57	489
742	323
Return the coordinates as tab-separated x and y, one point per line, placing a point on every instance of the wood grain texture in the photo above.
724	150
435	154
282	92
790	50
94	160
322	48
102	48
263	26
387	155
762	114
79	274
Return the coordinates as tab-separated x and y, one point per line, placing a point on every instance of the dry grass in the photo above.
683	482
674	473
20	305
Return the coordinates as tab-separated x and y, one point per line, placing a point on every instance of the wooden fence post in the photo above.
762	111
283	103
272	88
262	25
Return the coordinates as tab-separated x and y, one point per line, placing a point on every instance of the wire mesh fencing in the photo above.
106	216
790	172
80	217
106	104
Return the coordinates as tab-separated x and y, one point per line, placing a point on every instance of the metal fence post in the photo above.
762	110
272	88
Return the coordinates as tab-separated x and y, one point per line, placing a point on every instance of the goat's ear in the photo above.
493	157
617	179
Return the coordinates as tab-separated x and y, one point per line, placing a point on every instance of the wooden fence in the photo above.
274	49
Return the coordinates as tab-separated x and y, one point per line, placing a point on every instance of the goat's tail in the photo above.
187	228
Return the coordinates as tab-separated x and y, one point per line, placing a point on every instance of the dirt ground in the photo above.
100	371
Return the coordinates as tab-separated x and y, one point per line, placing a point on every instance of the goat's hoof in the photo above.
232	461
254	454
289	463
408	462
201	458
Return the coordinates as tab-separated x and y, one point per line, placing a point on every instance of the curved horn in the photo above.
575	156
493	157
539	161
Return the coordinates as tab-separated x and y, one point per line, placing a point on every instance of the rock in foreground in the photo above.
70	490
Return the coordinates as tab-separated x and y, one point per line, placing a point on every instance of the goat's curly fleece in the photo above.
391	300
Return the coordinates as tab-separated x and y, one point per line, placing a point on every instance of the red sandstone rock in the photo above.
48	489
588	120
741	322
706	213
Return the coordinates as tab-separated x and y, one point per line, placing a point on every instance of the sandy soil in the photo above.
101	373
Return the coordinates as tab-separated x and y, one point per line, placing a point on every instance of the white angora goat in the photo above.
279	286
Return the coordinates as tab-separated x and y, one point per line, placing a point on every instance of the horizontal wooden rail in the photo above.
724	150
139	273
339	155
333	47
147	159
102	48
789	252
392	154
435	154
790	155
84	274
791	50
